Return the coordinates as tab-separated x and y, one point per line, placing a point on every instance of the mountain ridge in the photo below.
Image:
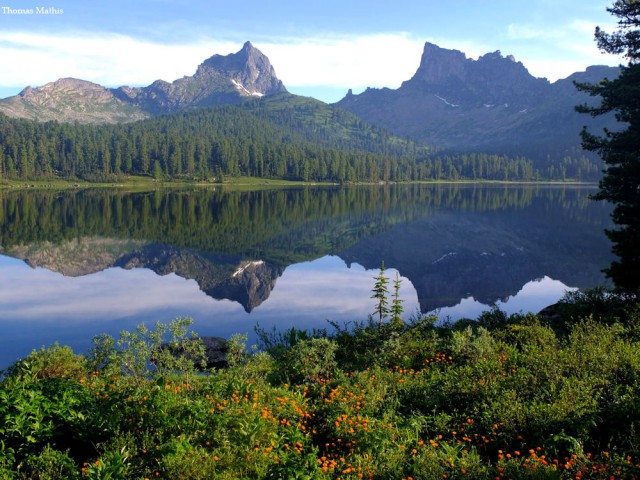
453	106
69	100
491	104
233	277
219	80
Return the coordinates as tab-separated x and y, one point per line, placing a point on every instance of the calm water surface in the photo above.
76	264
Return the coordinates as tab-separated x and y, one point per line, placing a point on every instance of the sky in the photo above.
319	48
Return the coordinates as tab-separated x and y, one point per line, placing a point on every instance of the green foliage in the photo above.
53	362
280	137
142	353
511	395
112	465
237	354
381	295
277	342
620	149
310	361
49	464
599	303
396	309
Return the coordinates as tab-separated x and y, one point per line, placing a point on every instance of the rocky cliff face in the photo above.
76	258
491	104
248	282
490	80
220	79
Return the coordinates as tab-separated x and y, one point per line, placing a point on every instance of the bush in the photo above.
513	396
52	362
49	464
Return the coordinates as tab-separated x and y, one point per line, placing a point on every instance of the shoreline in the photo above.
147	183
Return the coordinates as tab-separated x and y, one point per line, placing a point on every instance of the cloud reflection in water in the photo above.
39	307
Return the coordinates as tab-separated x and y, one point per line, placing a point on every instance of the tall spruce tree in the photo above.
620	149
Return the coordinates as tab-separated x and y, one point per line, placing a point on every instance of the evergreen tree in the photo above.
620	149
157	170
396	304
381	294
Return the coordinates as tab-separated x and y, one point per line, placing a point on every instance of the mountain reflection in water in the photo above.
104	261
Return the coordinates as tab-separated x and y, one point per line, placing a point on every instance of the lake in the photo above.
74	264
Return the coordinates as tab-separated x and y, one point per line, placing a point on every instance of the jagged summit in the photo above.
249	70
490	79
492	104
247	282
220	79
439	64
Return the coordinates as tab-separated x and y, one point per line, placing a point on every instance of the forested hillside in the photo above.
283	136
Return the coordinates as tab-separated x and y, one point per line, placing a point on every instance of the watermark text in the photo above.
31	11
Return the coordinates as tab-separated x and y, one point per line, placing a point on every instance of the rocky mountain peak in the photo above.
220	79
249	70
491	79
439	65
489	104
63	85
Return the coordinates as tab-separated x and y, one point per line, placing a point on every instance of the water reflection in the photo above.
72	310
533	297
80	263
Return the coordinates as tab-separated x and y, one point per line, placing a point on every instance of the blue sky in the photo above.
318	48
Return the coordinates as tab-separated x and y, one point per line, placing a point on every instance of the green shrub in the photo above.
514	398
52	362
49	464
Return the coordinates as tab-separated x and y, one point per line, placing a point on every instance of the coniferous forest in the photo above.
283	137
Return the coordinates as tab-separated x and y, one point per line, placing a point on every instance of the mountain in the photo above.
491	104
218	80
221	79
70	100
232	277
510	246
247	282
447	240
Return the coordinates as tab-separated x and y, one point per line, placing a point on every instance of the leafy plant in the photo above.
144	352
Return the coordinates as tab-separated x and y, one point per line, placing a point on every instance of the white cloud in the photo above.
580	31
532	297
557	51
345	61
554	70
52	295
113	60
331	61
517	31
105	58
305	288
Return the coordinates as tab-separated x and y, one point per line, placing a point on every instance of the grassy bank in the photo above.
500	397
133	182
147	183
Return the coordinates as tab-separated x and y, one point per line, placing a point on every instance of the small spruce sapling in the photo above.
381	294
396	304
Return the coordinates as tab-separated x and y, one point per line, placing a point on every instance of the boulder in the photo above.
215	349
